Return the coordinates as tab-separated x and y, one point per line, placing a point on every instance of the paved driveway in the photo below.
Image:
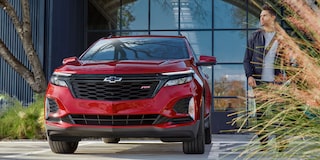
223	147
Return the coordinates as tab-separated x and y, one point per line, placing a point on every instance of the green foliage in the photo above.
22	122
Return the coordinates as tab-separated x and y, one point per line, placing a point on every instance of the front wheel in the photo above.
63	147
208	137
207	131
196	145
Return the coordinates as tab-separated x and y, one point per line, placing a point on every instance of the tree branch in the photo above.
7	7
15	63
26	24
28	46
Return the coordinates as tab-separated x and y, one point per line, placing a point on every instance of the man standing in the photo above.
261	55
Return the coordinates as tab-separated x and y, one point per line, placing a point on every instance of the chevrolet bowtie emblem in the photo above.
112	79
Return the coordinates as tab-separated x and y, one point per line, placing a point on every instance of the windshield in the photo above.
137	49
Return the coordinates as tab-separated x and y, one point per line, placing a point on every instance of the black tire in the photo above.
208	132
111	140
208	136
196	145
63	147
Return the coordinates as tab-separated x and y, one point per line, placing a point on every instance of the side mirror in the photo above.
207	61
71	61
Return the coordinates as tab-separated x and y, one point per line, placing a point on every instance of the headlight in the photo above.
178	81
59	79
180	77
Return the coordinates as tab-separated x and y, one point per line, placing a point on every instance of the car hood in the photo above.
126	67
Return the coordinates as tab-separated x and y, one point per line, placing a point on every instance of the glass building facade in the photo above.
66	28
213	27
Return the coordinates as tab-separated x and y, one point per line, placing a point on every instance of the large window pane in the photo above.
201	41
168	33
229	86
164	14
107	15
103	15
196	14
253	15
229	104
229	80
95	35
230	14
133	33
229	46
135	15
253	21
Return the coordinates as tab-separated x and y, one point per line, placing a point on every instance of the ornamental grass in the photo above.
291	111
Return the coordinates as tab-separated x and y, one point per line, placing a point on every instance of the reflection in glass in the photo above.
230	14
229	104
196	14
229	80
254	22
130	17
103	15
135	15
229	46
167	33
107	15
253	15
133	33
201	41
164	14
137	49
207	70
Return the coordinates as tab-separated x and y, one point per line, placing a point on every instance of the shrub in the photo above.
22	122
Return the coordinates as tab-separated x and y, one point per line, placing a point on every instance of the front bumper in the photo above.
76	133
97	118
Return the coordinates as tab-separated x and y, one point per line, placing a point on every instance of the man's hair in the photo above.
269	9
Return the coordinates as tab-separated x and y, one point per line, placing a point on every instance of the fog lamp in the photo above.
191	109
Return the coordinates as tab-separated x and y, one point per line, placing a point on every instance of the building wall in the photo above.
58	32
65	31
10	81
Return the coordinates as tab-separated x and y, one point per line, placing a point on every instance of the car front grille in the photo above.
130	87
114	120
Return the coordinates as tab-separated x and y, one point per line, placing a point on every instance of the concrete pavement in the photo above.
223	147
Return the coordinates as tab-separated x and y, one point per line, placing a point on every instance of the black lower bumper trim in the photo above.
77	133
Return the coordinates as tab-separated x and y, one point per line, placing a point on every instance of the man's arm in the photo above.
248	66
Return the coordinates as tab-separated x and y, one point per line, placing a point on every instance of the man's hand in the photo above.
252	82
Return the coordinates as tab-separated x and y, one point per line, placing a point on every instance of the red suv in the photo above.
131	87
